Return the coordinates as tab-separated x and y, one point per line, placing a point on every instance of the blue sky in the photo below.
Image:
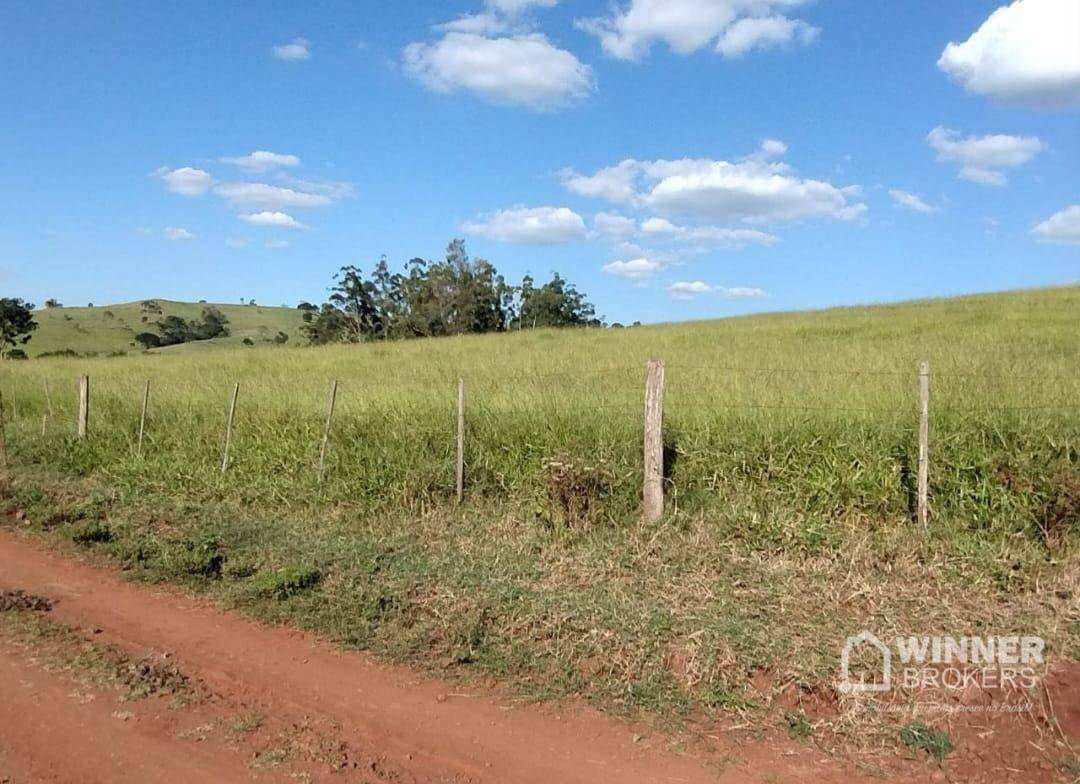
742	155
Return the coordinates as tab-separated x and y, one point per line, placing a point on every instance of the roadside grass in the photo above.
790	485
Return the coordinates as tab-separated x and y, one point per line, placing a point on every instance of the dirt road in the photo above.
386	723
323	714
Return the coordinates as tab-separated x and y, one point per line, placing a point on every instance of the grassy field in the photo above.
112	328
792	441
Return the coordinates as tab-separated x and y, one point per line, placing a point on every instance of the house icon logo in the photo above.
861	684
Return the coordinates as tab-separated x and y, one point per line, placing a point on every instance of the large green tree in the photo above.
16	324
452	296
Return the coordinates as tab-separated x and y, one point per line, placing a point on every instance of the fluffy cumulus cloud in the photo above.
522	69
752	33
910	201
263	160
634	269
613	225
616	184
1026	53
186	181
754	190
982	158
296	49
272	219
261	194
531	226
686	290
176	234
1062	227
731	27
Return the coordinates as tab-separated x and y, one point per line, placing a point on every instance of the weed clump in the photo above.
574	492
95	532
21	600
922	737
286	582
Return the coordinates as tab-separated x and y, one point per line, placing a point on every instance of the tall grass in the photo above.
791	453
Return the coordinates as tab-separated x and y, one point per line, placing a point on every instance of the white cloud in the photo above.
260	194
175	233
686	290
981	158
485	23
707	235
634	269
237	242
750	190
613	183
498	16
273	220
611	224
1062	227
1026	53
910	201
514	7
773	148
764	33
754	189
736	26
531	226
297	49
186	180
524	70
263	160
276	244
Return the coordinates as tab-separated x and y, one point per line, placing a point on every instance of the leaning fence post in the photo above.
924	442
142	415
326	427
84	406
654	440
229	426
460	464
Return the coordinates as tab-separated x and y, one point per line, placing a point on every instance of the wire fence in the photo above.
695	394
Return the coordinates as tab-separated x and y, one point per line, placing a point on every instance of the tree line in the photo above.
453	296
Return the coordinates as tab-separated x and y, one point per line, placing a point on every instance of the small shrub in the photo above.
285	582
200	557
798	724
921	736
95	532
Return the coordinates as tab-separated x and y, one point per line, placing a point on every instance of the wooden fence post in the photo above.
654	440
460	465
924	443
48	407
142	416
229	426
3	440
326	427
82	423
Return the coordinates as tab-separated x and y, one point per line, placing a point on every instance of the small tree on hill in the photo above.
16	324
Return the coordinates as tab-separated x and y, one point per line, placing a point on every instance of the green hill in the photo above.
112	328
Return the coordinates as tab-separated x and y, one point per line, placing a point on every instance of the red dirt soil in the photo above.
348	717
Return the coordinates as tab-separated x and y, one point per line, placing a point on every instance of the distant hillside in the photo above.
107	329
